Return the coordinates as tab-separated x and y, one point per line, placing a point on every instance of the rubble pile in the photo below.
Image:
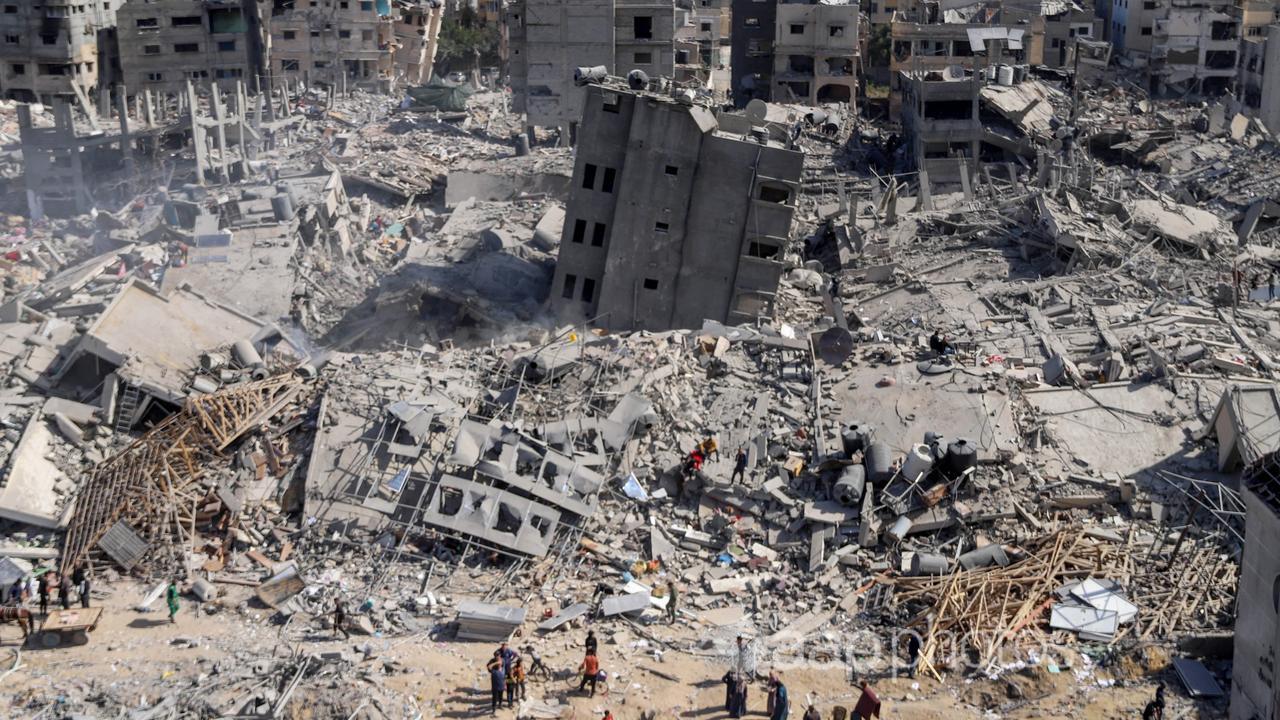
324	396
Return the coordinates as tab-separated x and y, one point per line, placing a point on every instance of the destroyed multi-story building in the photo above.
548	39
1195	47
340	43
754	26
166	43
703	44
417	30
930	40
815	52
1189	44
675	216
56	48
1260	76
1055	26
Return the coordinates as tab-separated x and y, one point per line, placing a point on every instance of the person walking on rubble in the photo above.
590	668
673	602
913	654
497	682
64	591
42	590
739	466
591	645
1155	709
709	447
781	703
18	592
868	703
171	596
80	579
536	667
340	618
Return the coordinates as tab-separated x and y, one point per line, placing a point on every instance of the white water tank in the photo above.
919	462
1005	75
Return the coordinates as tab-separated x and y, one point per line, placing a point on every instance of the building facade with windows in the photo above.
165	43
815	53
673	218
548	39
331	41
55	48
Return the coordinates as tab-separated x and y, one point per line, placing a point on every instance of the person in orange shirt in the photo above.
590	668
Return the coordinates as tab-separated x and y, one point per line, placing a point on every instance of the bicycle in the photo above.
573	681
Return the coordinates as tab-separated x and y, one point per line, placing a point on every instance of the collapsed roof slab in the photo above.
1107	428
252	273
27	494
916	404
156	340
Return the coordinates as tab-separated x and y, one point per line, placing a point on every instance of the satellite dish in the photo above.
953	72
757	110
835	346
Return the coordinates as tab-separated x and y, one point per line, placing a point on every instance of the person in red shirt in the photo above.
868	703
590	668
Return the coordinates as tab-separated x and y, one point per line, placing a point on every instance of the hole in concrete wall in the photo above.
661	227
450	501
541	524
766	250
672	170
650	284
775	193
508	521
588	289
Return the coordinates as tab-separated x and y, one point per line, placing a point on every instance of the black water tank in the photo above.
850	485
879	461
961	455
855	438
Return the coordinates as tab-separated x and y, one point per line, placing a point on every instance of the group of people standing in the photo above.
46	585
506	677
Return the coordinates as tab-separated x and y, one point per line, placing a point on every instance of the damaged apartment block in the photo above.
549	38
676	214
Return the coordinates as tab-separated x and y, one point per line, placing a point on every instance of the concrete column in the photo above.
126	142
432	44
220	117
104	103
197	135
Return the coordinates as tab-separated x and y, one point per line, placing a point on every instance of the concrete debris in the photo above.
999	370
